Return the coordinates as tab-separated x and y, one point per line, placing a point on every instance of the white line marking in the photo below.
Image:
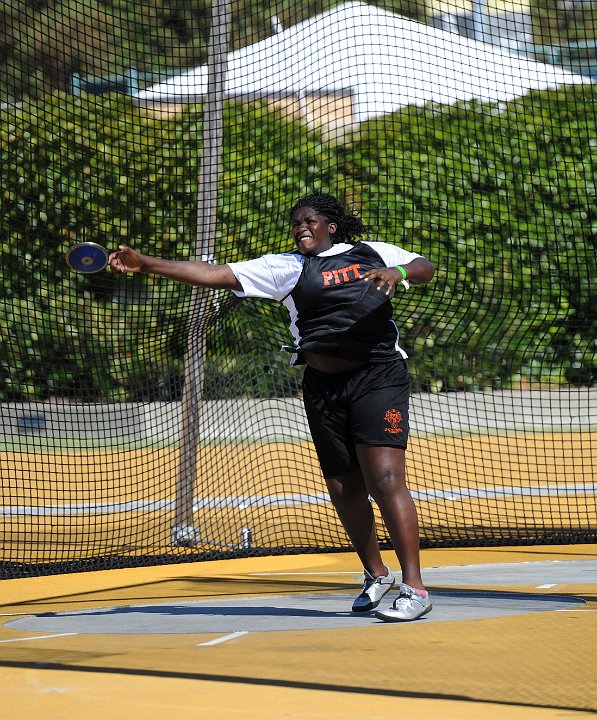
224	638
546	586
284	500
577	610
38	637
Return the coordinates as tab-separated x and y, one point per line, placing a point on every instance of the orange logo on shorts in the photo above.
393	417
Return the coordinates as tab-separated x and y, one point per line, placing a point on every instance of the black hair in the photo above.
350	227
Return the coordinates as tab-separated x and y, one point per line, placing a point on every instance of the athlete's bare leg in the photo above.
383	470
350	498
381	475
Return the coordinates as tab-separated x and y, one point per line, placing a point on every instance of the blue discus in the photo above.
87	257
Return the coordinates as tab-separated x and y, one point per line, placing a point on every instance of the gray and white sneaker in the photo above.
373	591
409	605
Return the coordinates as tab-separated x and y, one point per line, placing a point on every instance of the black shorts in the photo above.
368	406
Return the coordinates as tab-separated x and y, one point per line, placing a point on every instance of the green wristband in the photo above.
402	270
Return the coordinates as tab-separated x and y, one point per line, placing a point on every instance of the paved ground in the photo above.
511	636
312	611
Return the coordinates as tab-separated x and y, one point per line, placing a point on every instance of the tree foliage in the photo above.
559	23
500	198
44	42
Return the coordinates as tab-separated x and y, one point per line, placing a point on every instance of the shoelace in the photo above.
406	597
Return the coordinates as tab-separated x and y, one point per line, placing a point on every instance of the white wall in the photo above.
569	409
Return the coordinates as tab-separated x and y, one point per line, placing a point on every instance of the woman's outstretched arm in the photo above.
190	272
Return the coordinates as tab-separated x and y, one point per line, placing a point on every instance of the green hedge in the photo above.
78	169
501	199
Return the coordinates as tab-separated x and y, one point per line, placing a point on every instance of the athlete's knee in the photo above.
385	482
346	489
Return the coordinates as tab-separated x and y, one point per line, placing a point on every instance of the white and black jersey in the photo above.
332	311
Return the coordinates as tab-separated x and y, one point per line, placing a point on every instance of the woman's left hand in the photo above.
383	277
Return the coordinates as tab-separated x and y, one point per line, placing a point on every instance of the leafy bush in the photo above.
501	199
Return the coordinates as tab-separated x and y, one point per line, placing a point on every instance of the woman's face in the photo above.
311	232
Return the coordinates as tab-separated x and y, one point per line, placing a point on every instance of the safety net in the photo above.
145	421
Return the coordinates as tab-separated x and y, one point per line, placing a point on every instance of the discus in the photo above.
87	257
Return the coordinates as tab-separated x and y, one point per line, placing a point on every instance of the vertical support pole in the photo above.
480	25
75	84
184	531
131	77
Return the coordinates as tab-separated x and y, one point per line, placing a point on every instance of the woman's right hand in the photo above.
190	272
125	259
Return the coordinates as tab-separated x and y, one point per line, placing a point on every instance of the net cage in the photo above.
144	421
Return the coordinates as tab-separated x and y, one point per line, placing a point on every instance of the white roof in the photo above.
384	60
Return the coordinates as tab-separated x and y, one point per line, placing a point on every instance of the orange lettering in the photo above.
355	269
342	275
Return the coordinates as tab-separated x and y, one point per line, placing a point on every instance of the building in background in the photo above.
357	61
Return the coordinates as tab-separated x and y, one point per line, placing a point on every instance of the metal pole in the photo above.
184	532
480	20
